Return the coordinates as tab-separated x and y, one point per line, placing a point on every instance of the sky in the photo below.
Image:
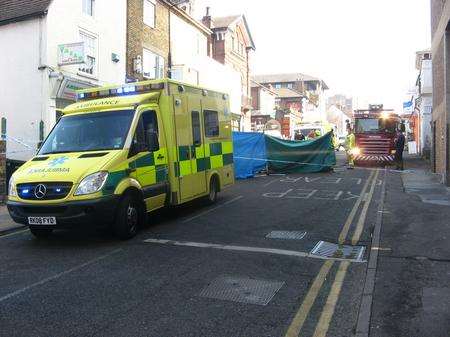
360	48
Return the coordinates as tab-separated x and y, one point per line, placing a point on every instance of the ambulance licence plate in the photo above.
42	220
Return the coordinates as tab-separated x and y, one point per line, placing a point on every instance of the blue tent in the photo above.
249	153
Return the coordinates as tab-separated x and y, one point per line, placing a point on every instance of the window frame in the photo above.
141	130
84	36
199	133
207	127
84	7
159	64
152	23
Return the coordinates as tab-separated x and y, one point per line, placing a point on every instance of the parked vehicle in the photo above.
122	152
320	128
375	132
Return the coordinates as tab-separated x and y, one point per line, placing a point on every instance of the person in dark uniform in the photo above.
299	136
399	147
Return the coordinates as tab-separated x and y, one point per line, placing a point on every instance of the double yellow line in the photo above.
330	305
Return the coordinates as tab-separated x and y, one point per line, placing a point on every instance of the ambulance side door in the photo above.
148	159
192	182
199	160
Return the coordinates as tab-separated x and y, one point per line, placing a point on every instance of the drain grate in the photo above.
286	235
243	290
332	250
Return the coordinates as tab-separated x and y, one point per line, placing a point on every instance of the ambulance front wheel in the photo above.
211	198
41	232
128	218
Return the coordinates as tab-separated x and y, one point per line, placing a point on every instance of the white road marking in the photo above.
54	277
213	209
358	180
243	249
273	181
311	180
276	194
301	193
291	180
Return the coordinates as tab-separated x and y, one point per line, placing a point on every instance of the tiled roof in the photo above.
18	10
292	77
225	21
287	93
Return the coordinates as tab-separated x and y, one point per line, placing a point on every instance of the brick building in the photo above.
440	32
342	102
263	106
299	97
232	44
148	39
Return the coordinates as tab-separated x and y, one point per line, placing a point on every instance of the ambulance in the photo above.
122	152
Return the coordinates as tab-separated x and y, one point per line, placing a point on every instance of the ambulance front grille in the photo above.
44	190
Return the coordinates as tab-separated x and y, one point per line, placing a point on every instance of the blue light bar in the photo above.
129	89
122	90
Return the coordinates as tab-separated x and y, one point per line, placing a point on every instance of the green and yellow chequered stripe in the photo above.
209	156
151	168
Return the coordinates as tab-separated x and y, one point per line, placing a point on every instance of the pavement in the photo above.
412	291
6	223
220	270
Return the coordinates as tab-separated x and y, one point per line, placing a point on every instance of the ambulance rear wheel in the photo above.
41	232
211	198
128	218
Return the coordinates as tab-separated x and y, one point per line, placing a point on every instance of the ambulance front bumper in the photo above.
98	212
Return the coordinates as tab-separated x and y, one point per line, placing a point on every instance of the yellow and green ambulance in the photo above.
121	152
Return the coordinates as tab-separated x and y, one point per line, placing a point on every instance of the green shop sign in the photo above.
71	53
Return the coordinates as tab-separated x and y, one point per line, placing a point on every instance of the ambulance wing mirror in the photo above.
152	140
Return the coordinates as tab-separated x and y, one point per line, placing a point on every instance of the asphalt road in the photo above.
162	283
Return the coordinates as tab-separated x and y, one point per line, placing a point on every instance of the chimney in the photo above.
207	18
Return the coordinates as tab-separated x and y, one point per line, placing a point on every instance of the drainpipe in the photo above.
169	55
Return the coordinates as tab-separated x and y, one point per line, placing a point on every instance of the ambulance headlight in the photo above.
355	151
92	183
12	192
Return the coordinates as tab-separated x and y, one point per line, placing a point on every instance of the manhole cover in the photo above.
332	250
243	290
286	235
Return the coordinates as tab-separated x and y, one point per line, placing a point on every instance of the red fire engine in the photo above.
375	132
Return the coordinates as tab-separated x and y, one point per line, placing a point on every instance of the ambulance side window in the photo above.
146	136
211	123
196	135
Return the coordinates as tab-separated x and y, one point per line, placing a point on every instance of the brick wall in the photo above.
141	36
3	191
223	53
437	7
440	14
255	98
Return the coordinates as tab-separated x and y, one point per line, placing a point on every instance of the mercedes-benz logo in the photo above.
40	191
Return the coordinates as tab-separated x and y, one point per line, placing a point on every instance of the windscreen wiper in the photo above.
56	152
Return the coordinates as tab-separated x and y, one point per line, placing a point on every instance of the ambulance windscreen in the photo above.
89	132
